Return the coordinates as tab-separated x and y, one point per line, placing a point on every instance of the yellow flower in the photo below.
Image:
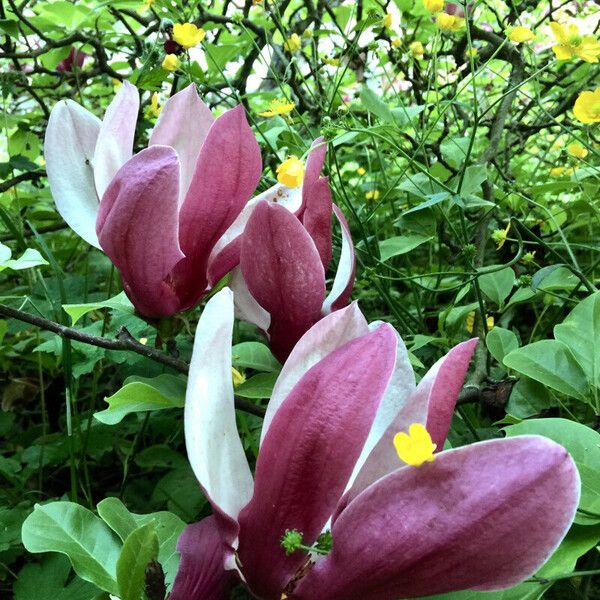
520	34
587	107
171	62
278	106
293	43
155	108
361	171
500	236
372	195
187	35
434	6
332	62
577	150
415	447
448	22
557	171
388	20
471	52
238	378
291	172
572	44
416	49
470	323
396	42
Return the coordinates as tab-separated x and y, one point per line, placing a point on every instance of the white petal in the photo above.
246	307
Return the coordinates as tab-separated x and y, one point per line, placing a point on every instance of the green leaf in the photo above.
528	398
580	331
497	285
10	27
120	303
259	386
550	362
254	355
500	342
140	548
400	245
75	531
475	175
142	394
30	258
375	105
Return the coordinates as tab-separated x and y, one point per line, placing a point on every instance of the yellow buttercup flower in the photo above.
560	171
396	42
470	322
388	20
155	108
372	195
293	43
416	49
415	447
187	35
237	377
577	150
471	52
448	22
433	6
587	107
500	236
520	34
278	106
291	172
572	44
361	171
171	62
332	62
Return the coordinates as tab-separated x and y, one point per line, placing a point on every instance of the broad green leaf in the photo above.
259	386
400	245
141	394
433	199
254	355
580	331
528	398
139	549
475	175
9	27
550	362
497	285
373	103
30	258
554	278
75	531
500	342
120	303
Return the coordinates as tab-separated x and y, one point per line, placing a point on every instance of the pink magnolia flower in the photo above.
278	251
159	213
326	457
76	57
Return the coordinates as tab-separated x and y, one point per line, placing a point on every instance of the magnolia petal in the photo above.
69	150
226	253
227	171
306	458
325	336
246	307
484	516
431	404
314	166
114	146
213	444
343	281
317	217
201	574
138	226
183	124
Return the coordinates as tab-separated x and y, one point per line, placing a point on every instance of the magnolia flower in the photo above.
157	214
327	456
278	250
587	106
74	61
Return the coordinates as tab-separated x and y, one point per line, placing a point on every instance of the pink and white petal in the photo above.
69	151
314	164
484	516
138	225
317	216
308	454
325	336
201	574
283	271
431	404
213	444
343	281
246	307
227	171
114	146
183	124
226	253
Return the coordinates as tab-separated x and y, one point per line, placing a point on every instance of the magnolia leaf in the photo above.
120	302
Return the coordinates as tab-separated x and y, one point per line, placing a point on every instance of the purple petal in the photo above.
484	516
314	166
115	140
325	336
283	271
308	454
201	574
138	228
212	441
183	124
343	281
69	150
431	404
227	172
